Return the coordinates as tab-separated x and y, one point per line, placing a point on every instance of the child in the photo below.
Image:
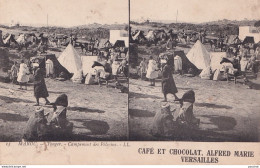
23	77
152	73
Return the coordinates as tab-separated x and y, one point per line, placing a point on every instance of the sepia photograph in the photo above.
129	82
193	71
63	70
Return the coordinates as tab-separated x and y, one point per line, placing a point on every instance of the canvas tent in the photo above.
9	39
87	62
21	39
249	39
119	43
215	58
104	43
199	56
139	35
150	35
70	59
233	39
186	64
58	68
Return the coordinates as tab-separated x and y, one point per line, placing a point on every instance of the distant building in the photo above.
119	35
250	31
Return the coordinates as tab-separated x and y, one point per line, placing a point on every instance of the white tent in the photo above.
70	59
87	62
215	58
7	39
199	56
21	39
150	35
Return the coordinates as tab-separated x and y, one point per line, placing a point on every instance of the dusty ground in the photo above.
227	112
98	113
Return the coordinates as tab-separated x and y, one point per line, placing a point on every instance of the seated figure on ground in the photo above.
185	115
162	122
59	122
36	127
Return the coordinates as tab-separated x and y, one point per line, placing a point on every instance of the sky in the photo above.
194	11
65	13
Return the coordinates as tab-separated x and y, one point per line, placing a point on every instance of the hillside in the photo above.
91	30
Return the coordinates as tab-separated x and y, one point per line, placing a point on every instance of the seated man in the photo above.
36	127
185	115
162	122
59	120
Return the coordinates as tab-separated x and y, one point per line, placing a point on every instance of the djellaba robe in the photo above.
168	84
40	89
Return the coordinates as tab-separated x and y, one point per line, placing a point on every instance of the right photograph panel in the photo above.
194	70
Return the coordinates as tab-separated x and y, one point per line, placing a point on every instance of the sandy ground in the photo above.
98	113
227	112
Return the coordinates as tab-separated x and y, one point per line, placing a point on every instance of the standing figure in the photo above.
14	73
168	84
243	66
49	68
115	67
143	68
40	89
23	77
152	73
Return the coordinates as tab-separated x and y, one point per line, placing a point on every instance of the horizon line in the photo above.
165	21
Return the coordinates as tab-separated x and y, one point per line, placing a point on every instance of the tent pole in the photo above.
45	67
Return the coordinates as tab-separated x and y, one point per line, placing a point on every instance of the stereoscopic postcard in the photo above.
129	82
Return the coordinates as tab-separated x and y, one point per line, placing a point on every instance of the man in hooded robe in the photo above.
186	115
40	89
36	127
168	84
162	124
59	119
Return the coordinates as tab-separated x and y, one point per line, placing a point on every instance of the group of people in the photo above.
167	124
22	75
42	127
151	70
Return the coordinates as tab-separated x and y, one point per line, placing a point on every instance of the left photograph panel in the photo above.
63	70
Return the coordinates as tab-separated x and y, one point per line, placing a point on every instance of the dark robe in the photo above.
40	89
162	124
36	128
168	84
